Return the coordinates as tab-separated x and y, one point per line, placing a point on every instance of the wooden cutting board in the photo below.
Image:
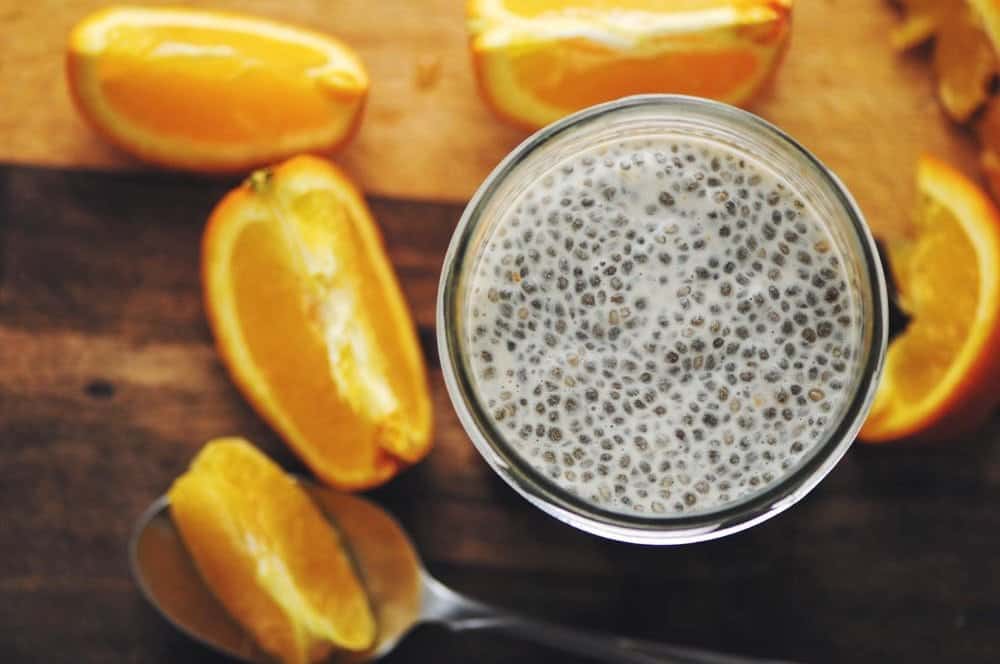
109	383
864	110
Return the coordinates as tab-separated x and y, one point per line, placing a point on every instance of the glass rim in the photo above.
576	511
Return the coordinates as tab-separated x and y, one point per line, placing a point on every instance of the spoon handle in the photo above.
459	613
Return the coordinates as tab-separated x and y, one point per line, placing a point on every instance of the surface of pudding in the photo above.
662	326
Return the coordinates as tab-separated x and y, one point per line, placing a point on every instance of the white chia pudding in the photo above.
662	326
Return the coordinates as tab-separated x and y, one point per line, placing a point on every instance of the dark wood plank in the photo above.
109	384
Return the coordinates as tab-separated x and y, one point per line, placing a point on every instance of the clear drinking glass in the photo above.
629	118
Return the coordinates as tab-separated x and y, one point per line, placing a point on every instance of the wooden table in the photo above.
109	382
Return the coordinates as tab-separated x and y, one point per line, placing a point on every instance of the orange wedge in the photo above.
312	325
212	91
538	60
942	374
266	551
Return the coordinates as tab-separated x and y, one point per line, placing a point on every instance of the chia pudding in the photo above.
662	326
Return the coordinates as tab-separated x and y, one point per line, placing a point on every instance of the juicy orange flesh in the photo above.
531	8
287	345
576	73
342	365
938	277
212	542
186	81
269	555
369	350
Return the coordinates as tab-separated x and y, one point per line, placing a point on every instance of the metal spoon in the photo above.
402	593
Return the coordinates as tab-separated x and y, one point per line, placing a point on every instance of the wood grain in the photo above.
110	385
864	110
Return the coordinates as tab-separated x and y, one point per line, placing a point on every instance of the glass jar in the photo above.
656	115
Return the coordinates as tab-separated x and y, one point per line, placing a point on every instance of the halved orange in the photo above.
212	91
538	60
942	374
312	325
269	555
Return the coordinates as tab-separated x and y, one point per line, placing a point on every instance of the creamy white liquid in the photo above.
662	327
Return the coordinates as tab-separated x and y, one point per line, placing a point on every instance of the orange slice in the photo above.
537	60
268	554
312	325
211	91
942	374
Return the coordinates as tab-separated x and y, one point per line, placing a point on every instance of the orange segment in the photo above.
312	325
268	554
539	61
942	373
212	91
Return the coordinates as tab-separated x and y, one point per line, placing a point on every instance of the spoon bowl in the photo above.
384	556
